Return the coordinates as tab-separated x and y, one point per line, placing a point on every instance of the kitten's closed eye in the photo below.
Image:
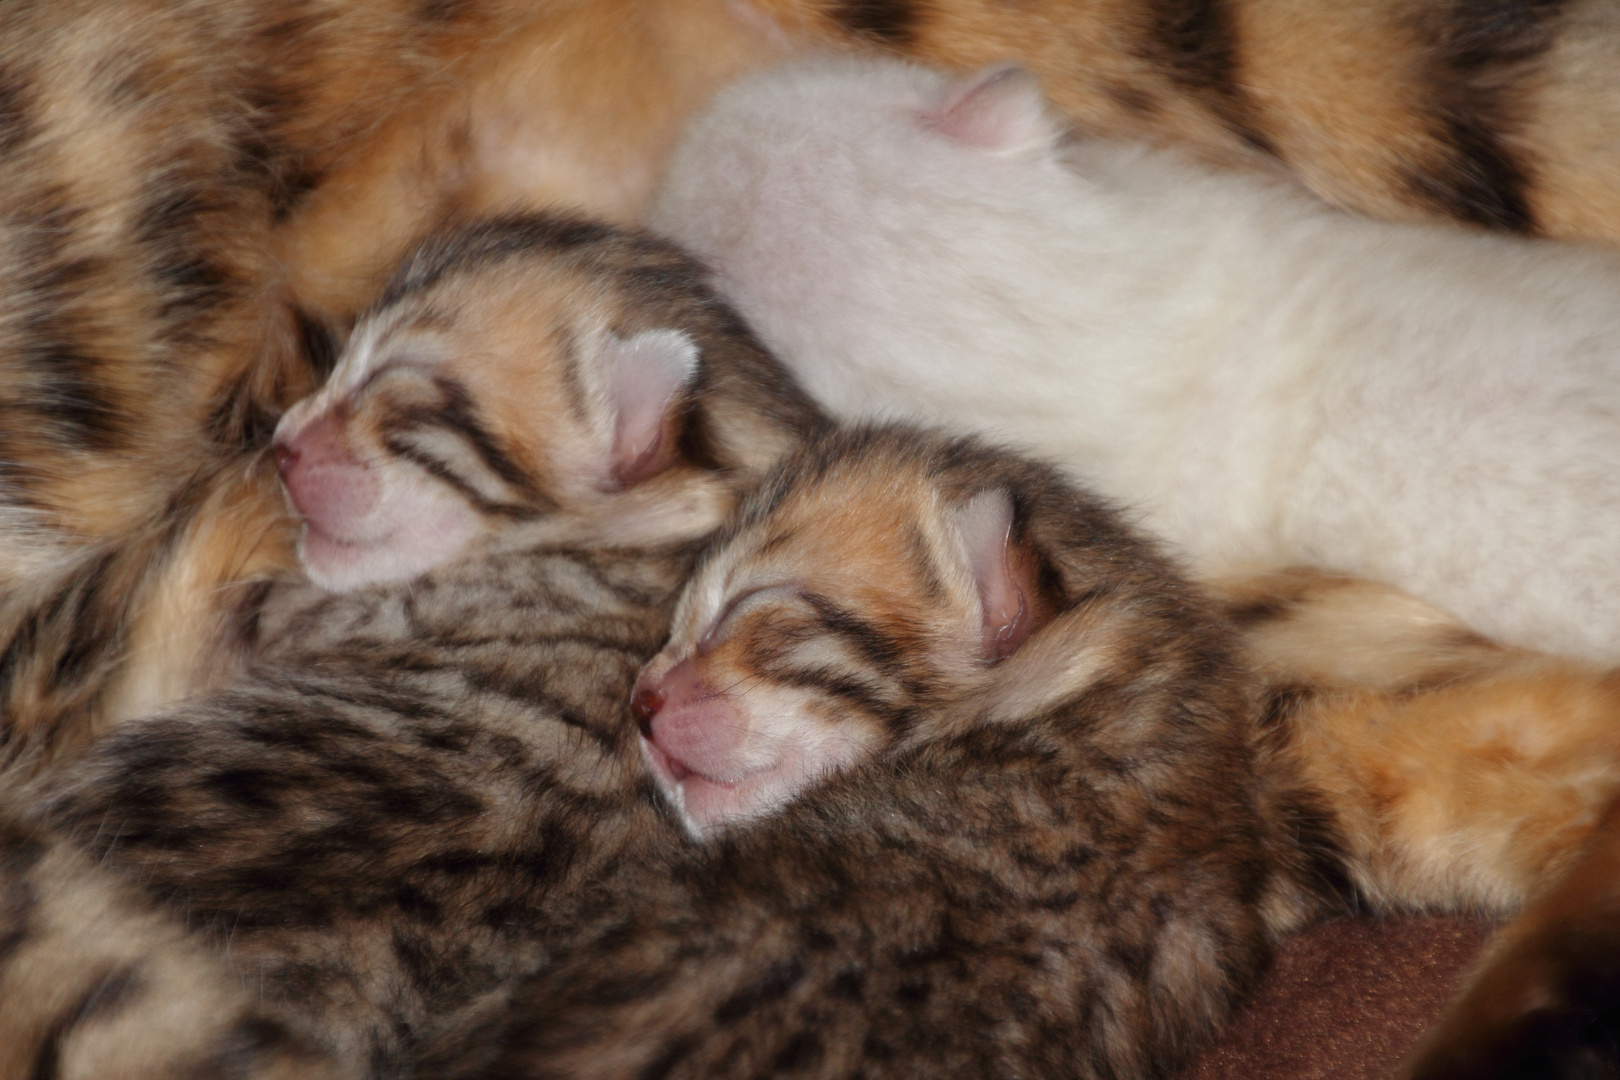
492	393
885	601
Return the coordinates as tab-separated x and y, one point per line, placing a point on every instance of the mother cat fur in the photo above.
1268	380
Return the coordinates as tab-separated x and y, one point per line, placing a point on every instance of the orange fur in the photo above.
1461	774
577	109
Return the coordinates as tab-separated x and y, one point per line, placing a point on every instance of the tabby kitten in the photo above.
978	780
180	182
491	339
153	157
372	825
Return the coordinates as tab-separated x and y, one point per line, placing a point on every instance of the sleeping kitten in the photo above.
1265	379
373	825
474	354
895	651
979	787
517	367
382	833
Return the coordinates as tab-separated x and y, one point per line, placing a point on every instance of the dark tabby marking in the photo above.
1197	44
96	982
1043	870
377	828
887	22
1478	52
431	793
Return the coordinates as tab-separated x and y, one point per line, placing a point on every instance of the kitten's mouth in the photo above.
676	771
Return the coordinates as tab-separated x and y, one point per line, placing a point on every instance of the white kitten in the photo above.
1268	380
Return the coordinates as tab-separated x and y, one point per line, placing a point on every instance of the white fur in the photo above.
1265	379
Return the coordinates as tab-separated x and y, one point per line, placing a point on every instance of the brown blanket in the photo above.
1346	1000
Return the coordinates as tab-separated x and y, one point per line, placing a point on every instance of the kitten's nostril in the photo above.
286	458
645	704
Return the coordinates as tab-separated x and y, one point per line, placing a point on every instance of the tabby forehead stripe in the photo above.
442	472
876	645
840	686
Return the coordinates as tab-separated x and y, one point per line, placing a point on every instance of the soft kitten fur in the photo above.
515	367
429	789
1498	115
466	363
946	630
97	980
211	190
376	825
1265	379
1034	843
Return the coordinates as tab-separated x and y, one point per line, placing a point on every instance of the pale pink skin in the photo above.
364	524
724	756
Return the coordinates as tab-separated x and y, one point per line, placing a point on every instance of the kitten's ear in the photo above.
645	375
1000	109
1005	598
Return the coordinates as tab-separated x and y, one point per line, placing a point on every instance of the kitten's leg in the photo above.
1459	774
95	983
1546	1000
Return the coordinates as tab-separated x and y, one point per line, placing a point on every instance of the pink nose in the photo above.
325	482
673	692
286	458
645	703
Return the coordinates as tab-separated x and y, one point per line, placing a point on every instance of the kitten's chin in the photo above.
706	805
339	565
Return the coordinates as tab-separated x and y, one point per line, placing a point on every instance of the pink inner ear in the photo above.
1001	109
645	374
985	525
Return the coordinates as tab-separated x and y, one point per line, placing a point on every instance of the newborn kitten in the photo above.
518	368
374	825
979	785
1266	379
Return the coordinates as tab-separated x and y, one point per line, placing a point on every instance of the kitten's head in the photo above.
535	371
886	587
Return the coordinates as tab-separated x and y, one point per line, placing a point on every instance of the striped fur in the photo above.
387	842
1058	863
256	159
1271	381
512	314
375	826
1460	775
97	982
1498	114
1501	114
